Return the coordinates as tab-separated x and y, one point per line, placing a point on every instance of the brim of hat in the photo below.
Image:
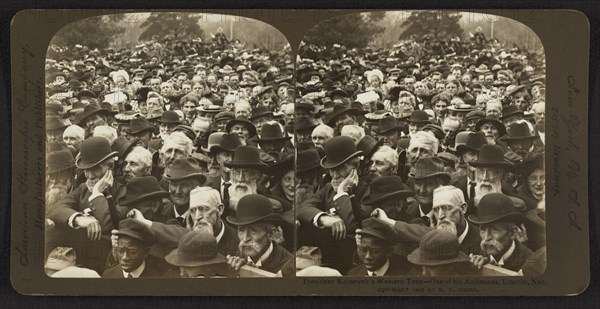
284	138
516	217
101	110
512	114
129	233
149	129
416	258
92	164
419	121
250	165
446	175
348	111
170	122
175	259
233	122
261	115
309	168
373	148
463	147
193	175
369	200
483	121
326	164
375	234
498	164
53	170
158	194
216	148
398	128
274	217
518	138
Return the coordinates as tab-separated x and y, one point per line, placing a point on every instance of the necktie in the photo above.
426	220
472	191
226	186
180	220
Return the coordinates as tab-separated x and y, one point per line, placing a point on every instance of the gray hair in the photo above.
140	154
424	138
389	154
178	140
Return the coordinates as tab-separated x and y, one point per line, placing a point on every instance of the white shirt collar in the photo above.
221	233
464	233
542	137
430	214
137	272
504	257
381	271
177	215
263	257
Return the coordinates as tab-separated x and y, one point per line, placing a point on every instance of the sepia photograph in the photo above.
169	148
421	141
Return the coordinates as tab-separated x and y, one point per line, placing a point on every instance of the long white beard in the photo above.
448	226
237	190
482	189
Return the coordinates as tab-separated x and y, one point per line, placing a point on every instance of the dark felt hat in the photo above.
494	120
141	189
229	142
170	117
304	123
518	131
511	110
196	248
369	145
377	228
491	155
253	208
272	133
474	115
184	168
438	247
260	111
429	167
307	160
59	161
495	207
474	142
122	146
388	124
241	120
94	150
386	187
90	110
136	230
339	110
139	125
419	116
338	150
246	157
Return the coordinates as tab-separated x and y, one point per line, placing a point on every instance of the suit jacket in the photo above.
345	206
277	259
399	266
154	268
518	258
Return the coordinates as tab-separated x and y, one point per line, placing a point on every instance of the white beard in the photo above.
447	225
237	190
481	191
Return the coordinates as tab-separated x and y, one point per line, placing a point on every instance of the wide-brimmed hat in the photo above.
495	207
90	110
254	208
338	150
141	189
304	123
386	187
122	146
474	142
241	120
308	160
518	131
260	111
491	155
246	157
196	248
339	110
462	108
511	110
185	168
482	69
429	167
272	133
170	117
229	142
135	229
494	120
377	228
438	247
59	161
387	124
369	145
419	116
227	69
94	150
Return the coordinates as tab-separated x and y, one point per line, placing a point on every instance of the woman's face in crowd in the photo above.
288	184
536	182
451	88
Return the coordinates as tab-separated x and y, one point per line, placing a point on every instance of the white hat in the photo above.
448	195
375	72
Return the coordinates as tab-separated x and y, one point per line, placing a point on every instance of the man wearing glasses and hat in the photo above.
257	231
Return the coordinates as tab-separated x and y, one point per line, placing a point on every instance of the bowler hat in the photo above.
184	168
495	207
260	111
494	120
122	146
429	167
304	123
229	142
377	228
518	131
94	150
170	117
511	110
253	208
214	139
438	247
386	187
387	124
59	161
136	230
474	142
368	145
491	155
246	156
55	123
90	110
140	189
139	125
241	120
419	116
272	133
307	160
196	248
338	150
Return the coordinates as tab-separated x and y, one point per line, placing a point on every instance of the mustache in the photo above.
252	245
492	243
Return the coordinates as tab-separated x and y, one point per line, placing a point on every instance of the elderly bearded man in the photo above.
176	146
257	231
330	216
422	144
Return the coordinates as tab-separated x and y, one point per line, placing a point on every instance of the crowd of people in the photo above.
200	158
